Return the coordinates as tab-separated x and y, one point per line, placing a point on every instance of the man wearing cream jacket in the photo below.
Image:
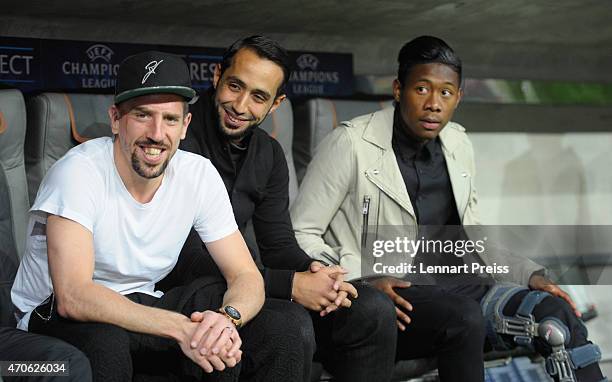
402	175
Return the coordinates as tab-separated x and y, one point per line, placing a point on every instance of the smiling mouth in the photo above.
152	153
233	121
152	150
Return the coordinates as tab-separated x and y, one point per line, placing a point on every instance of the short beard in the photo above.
231	134
138	167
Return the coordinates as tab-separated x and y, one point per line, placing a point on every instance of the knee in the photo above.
80	368
558	308
472	317
373	312
300	323
106	351
467	319
285	324
106	341
374	307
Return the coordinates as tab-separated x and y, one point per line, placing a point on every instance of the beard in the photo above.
234	134
149	171
146	171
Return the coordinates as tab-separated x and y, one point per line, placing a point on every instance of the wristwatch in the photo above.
233	314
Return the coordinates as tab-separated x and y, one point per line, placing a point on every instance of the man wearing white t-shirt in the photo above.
109	221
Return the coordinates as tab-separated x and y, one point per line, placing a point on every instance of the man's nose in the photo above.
156	130
240	104
433	103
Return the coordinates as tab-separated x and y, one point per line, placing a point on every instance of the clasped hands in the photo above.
211	340
322	288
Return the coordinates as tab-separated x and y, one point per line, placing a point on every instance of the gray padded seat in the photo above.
14	343
56	123
13	196
280	127
316	118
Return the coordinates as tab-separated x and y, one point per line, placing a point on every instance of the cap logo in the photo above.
151	66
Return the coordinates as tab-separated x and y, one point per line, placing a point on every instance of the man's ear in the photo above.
397	90
186	121
217	75
459	97
114	115
276	103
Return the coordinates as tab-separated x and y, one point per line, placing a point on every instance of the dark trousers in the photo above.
17	345
116	354
278	344
271	343
356	344
447	323
119	355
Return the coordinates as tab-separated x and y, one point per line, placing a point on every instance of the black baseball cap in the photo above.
152	73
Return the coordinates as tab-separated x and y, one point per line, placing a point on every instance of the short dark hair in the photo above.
426	50
265	48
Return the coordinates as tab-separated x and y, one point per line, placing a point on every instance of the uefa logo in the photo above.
99	51
307	61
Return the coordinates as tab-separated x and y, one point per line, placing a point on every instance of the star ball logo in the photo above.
97	73
307	61
307	80
99	51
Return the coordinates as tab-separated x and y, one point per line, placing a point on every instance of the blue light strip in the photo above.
16	48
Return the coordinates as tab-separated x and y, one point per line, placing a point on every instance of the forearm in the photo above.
287	257
245	293
96	303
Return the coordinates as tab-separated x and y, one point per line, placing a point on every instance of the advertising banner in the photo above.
33	65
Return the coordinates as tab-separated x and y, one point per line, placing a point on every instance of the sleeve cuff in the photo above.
279	283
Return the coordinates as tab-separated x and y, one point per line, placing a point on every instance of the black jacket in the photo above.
258	187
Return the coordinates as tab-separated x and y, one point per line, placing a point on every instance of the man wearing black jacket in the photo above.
355	338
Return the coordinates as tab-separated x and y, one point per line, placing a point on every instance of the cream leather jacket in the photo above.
354	183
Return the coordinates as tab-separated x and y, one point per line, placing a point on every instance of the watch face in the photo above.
232	312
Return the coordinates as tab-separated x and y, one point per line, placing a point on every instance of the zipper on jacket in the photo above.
329	258
365	211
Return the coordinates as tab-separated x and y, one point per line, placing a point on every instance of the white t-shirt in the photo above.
135	244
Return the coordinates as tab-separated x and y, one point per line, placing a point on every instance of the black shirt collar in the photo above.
406	145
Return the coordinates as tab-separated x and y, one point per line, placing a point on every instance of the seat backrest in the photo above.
13	195
280	127
318	117
56	123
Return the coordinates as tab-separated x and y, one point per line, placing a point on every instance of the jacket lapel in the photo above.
458	173
385	173
388	178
